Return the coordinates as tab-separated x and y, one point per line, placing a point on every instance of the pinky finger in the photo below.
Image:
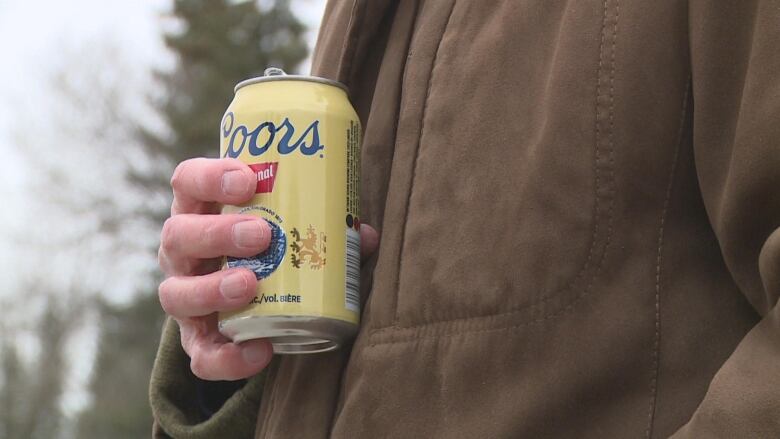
220	361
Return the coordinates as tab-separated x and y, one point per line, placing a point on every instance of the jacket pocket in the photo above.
510	196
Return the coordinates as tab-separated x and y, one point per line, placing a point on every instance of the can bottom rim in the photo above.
290	334
302	345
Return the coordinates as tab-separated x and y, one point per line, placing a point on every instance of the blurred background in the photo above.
98	102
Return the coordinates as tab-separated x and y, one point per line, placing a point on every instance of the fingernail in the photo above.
234	183
233	286
255	353
248	233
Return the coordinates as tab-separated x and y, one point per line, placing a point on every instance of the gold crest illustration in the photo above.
309	250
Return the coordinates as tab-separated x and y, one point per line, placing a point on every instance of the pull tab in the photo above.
274	71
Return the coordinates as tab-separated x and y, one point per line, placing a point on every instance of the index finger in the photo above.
199	184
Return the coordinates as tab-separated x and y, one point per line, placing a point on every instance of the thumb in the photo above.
369	240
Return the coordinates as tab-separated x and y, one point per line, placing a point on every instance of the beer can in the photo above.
301	137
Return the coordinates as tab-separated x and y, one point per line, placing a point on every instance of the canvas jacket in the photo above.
578	204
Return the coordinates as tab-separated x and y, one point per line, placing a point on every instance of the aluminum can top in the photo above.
277	74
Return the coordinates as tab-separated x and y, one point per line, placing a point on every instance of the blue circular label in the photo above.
268	261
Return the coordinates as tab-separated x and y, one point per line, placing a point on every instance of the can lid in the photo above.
277	74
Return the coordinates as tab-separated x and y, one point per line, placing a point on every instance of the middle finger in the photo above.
188	236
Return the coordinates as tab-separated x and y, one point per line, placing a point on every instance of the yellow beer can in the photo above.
301	136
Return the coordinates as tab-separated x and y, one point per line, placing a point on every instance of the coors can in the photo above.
301	136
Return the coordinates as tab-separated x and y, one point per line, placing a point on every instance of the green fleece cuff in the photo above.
176	397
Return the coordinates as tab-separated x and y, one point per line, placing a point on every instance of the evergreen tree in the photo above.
44	417
14	384
221	43
30	393
218	43
119	385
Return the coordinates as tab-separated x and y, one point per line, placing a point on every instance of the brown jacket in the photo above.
578	203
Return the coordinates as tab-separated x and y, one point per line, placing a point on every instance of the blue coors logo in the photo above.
267	134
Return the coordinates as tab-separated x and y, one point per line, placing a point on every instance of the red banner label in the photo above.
266	176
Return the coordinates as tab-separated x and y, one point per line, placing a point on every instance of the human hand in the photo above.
192	243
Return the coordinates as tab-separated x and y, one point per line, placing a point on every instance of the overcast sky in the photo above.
35	38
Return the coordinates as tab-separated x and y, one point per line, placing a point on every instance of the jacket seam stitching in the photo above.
415	161
348	49
659	259
401	101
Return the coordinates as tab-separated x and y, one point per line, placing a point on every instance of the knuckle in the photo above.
161	262
202	296
178	173
168	242
165	295
214	233
186	335
198	366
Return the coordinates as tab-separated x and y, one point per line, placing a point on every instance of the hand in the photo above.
193	241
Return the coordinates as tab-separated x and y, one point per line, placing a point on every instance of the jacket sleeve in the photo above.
735	58
185	406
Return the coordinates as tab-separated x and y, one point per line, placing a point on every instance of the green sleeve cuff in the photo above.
177	397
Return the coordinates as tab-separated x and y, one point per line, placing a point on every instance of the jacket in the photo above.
578	204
